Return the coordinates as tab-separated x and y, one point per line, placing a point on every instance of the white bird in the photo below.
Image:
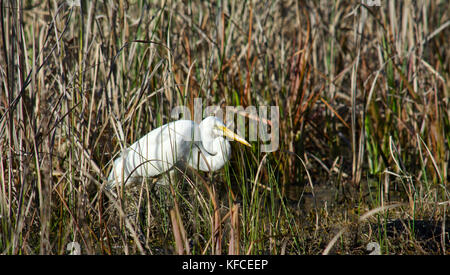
202	146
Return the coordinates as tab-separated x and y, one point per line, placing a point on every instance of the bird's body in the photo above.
201	146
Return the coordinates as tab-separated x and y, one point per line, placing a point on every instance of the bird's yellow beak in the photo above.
230	134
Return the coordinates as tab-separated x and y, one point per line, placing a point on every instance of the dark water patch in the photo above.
431	235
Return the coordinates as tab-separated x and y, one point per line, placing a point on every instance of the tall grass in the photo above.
363	94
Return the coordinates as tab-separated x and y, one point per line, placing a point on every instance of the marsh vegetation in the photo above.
363	95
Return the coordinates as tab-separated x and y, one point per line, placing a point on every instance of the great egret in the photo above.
202	146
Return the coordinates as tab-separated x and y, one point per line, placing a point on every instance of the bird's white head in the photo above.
212	128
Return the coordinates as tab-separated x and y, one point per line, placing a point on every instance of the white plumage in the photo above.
202	146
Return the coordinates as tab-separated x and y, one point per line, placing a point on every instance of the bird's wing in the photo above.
160	149
156	152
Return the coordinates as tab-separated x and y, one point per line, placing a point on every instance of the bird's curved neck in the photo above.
210	155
